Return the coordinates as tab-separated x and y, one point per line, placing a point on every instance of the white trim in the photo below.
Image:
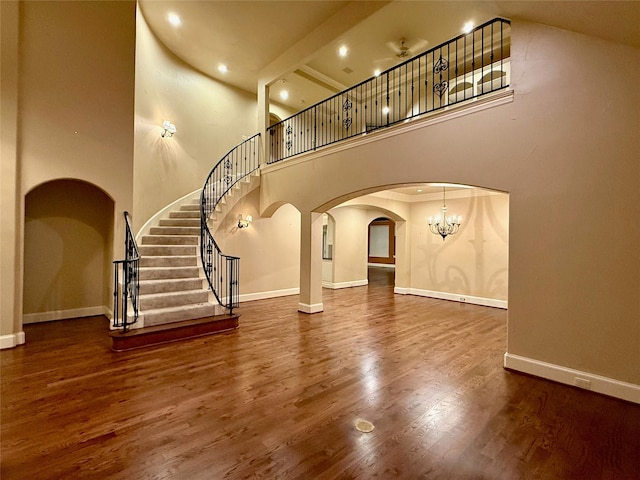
11	340
64	314
588	381
383	265
469	107
285	292
455	297
354	283
315	308
154	220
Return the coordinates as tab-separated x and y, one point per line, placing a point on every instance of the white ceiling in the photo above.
252	36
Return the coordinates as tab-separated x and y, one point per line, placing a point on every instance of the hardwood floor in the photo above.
278	398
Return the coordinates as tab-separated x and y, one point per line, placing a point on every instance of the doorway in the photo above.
381	252
382	241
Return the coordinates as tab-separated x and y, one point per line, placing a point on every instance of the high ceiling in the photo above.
293	45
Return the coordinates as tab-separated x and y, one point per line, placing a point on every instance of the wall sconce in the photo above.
244	223
168	129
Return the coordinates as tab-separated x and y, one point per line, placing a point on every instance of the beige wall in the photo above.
210	117
67	251
474	261
269	249
350	244
10	201
72	110
567	156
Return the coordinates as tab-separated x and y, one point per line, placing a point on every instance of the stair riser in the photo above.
175	231
185	214
171	285
169	240
163	273
172	299
187	313
165	251
175	261
180	222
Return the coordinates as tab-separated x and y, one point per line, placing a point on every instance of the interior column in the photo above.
310	262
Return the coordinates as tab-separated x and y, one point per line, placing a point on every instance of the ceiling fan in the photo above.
403	50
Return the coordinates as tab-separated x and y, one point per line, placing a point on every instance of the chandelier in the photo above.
443	225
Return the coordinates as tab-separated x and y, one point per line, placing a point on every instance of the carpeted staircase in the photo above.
171	286
175	301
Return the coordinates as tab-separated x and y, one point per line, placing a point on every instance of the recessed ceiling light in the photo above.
222	68
343	50
376	72
284	94
467	27
419	190
174	19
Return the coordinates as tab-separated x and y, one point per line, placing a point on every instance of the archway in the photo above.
470	266
381	252
68	243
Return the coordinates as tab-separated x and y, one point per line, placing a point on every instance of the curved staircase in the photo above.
176	299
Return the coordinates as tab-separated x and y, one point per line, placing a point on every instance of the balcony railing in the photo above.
223	271
466	67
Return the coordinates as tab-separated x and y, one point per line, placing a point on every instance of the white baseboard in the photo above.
588	381
315	308
354	283
63	314
455	297
12	340
248	297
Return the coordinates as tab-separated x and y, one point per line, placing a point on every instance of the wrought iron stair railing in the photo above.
126	292
463	68
223	271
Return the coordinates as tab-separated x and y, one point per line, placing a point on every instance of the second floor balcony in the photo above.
462	69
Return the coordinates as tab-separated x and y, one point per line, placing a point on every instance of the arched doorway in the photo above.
382	241
68	244
381	252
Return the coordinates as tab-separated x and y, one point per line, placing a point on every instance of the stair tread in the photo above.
166	256
168	268
162	280
173	293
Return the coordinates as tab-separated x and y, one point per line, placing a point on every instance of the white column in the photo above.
310	262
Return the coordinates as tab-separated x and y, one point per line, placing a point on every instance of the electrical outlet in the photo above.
582	383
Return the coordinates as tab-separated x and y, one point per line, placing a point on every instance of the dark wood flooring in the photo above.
278	399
